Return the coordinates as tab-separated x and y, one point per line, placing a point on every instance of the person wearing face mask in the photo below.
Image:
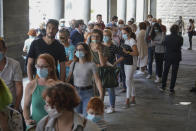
83	71
158	37
191	30
116	35
114	21
149	18
113	51
72	25
32	35
64	36
121	24
151	48
61	99
95	110
77	35
11	73
100	53
88	32
46	74
130	64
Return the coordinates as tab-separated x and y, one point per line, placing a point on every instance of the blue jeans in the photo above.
151	53
85	96
112	96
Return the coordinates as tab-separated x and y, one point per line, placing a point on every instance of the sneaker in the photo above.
172	92
161	89
148	76
132	103
140	72
110	110
120	85
193	89
190	48
158	79
123	90
126	106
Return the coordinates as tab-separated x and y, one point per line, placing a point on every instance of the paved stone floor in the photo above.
156	111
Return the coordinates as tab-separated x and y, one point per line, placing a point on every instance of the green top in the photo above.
38	111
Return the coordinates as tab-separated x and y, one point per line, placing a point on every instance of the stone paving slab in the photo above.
156	111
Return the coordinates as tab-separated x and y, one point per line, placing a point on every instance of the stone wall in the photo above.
15	26
170	10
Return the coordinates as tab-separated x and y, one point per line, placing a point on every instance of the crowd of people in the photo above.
67	69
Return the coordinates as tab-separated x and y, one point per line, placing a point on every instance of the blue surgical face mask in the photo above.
80	54
95	41
42	72
94	118
1	56
156	31
125	37
106	39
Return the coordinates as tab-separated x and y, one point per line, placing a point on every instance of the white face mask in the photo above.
52	112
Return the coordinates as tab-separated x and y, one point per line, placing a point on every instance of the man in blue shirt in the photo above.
77	34
114	21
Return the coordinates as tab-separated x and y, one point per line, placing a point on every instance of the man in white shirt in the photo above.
11	73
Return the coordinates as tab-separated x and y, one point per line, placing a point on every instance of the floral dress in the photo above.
14	119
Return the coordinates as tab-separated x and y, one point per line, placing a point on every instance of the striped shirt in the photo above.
113	51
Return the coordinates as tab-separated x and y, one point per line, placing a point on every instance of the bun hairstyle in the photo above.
130	32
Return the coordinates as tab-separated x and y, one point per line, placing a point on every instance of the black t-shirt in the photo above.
55	49
128	58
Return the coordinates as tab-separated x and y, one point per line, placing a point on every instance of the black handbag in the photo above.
109	76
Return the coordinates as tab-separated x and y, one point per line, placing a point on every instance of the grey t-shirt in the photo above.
83	73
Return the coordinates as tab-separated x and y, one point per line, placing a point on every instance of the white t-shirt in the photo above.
28	42
12	72
131	42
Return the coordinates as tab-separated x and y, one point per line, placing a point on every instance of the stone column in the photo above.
15	27
1	18
140	10
145	9
132	9
111	9
124	9
153	7
86	11
57	9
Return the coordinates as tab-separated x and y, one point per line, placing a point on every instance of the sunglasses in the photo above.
80	49
62	38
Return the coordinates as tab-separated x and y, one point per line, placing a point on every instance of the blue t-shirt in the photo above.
69	51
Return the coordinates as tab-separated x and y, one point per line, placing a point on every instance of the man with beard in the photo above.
48	44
